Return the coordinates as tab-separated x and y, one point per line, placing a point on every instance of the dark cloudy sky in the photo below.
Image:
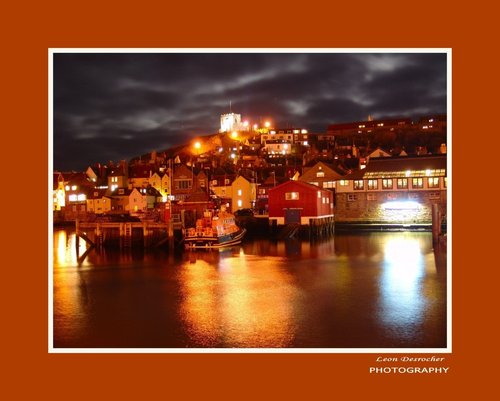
113	106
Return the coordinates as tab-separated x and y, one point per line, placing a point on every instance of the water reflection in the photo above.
242	301
402	302
354	290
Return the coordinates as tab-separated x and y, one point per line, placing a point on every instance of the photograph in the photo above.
250	200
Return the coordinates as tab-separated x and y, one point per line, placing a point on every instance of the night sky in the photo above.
111	106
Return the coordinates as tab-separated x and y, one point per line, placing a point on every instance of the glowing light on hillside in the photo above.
234	135
245	123
267	124
197	145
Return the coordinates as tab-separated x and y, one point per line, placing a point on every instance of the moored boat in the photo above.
214	230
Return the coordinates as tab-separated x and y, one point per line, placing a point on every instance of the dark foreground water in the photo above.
377	290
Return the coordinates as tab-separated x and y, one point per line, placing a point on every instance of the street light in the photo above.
197	145
267	124
234	135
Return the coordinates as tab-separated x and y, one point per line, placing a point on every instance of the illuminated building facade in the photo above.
298	202
232	122
393	190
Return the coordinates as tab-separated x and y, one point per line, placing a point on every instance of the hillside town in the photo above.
387	171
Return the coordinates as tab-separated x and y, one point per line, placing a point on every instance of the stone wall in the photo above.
389	207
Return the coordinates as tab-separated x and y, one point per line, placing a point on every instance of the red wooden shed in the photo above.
299	202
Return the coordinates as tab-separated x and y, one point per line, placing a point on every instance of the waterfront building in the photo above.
393	190
161	182
143	199
262	201
244	194
182	182
117	176
59	194
299	202
98	202
322	175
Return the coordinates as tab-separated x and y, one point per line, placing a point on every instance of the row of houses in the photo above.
386	189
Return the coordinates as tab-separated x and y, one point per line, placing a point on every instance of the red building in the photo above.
299	202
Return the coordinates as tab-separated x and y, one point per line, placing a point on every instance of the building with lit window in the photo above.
322	175
98	202
360	127
243	193
393	190
117	177
232	122
298	202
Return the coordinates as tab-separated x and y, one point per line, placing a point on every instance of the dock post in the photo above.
436	223
77	236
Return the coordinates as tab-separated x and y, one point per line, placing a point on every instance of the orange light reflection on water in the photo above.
65	249
233	303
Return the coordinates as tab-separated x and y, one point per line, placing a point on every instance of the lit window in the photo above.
446	182
417	182
81	197
240	203
320	174
291	195
344	183
386	183
239	192
66	187
358	184
319	194
304	131
433	182
402	183
72	198
372	184
73	187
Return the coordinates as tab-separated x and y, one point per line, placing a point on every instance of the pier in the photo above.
125	234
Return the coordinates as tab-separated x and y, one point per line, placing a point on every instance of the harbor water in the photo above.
353	290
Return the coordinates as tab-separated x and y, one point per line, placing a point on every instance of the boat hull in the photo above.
208	242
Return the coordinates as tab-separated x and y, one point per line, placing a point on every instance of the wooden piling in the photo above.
436	223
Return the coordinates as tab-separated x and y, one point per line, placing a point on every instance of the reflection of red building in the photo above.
298	202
